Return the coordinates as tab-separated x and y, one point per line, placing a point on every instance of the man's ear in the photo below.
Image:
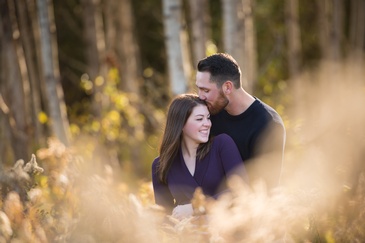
227	87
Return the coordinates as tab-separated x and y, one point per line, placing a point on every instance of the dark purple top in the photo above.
210	174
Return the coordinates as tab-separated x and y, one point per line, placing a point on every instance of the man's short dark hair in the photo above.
222	67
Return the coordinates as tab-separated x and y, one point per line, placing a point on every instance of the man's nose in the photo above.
202	97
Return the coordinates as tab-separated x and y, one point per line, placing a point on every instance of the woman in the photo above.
190	159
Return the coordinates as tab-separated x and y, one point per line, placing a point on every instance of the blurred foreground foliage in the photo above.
70	199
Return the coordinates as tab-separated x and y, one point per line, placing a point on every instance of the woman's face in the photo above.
197	127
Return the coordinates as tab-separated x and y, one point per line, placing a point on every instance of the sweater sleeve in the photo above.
269	155
161	191
231	159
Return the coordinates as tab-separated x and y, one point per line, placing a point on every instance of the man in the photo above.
256	128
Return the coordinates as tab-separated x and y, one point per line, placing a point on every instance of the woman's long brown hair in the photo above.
178	113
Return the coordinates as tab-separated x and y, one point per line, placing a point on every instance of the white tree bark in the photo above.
13	103
178	65
330	30
293	37
34	25
229	16
128	48
21	61
35	95
200	28
337	29
111	14
90	10
250	46
95	51
357	28
234	33
323	25
54	92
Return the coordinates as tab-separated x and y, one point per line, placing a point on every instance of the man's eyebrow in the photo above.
200	87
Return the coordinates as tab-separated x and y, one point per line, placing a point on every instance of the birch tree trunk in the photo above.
37	58
90	19
250	46
95	50
26	37
330	28
21	60
186	57
130	69
111	11
200	28
174	37
324	26
54	92
337	30
229	16
7	152
234	33
128	48
293	37
3	130
13	104
357	28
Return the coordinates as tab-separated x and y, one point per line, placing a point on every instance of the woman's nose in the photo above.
207	123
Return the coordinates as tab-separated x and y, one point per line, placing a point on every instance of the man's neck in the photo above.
239	101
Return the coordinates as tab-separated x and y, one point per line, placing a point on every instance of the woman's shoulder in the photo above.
222	138
155	162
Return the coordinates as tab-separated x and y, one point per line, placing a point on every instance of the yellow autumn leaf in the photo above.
42	117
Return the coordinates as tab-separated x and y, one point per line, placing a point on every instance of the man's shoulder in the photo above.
269	111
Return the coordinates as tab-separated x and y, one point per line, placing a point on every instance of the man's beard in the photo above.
218	105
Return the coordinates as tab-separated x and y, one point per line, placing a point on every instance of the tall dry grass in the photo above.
73	198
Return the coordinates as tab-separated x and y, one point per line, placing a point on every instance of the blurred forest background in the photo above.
84	85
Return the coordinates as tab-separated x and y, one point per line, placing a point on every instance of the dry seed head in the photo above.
17	172
32	166
199	202
5	227
13	208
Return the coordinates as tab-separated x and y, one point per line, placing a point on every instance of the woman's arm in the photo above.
231	158
161	191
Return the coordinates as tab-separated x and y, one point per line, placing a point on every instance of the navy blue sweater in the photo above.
259	131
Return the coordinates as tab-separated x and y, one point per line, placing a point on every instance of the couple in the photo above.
246	131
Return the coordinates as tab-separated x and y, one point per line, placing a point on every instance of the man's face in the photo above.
210	93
